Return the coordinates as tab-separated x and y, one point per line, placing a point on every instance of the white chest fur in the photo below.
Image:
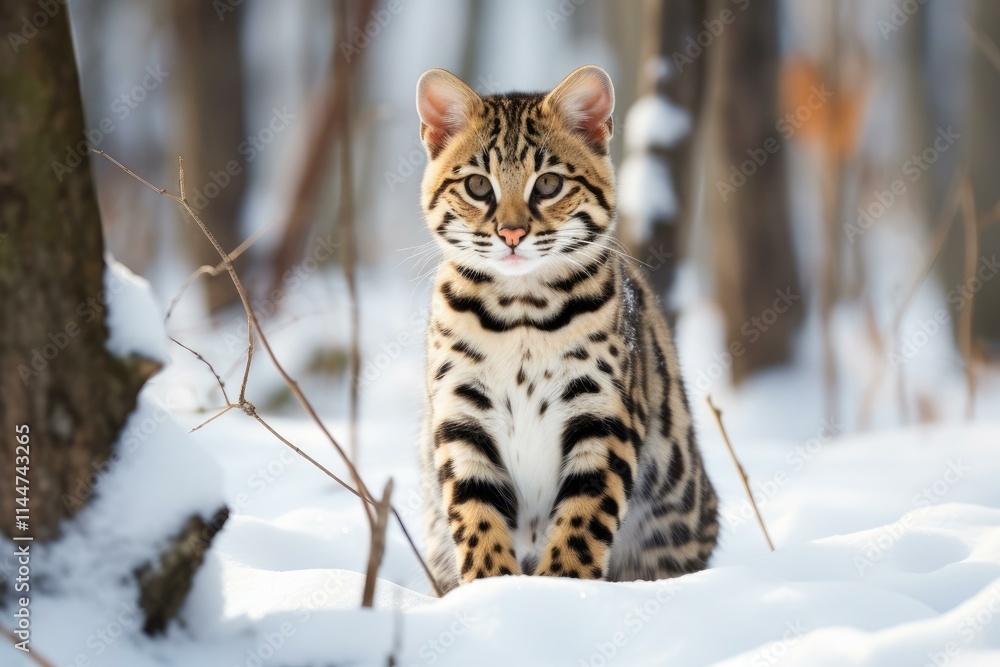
527	423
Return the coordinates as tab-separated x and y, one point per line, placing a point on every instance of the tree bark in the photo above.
668	27
981	147
57	376
754	256
164	585
211	131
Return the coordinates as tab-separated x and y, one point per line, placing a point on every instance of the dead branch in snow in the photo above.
743	476
256	331
32	654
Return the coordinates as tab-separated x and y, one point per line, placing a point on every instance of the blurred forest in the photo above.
823	173
811	186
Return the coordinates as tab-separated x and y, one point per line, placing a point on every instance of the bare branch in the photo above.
361	490
966	334
222	385
743	476
945	221
985	45
212	271
347	226
32	654
377	549
395	513
212	419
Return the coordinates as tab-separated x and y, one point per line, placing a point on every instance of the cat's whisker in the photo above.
416	247
622	254
419	256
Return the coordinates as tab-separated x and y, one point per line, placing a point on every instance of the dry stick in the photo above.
947	218
347	225
377	547
743	476
985	45
251	316
828	265
212	271
214	417
966	335
253	413
222	385
362	491
324	469
32	654
246	370
311	177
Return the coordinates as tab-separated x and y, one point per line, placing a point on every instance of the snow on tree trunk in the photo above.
58	377
656	198
72	363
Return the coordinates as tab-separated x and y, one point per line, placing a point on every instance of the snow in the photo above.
888	542
653	122
644	194
134	316
645	191
82	597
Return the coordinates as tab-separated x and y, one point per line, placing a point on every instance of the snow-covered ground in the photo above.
888	542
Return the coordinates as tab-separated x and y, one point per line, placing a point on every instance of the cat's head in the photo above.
518	183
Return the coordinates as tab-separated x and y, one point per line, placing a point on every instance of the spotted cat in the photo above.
557	438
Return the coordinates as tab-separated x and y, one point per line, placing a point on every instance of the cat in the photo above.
557	438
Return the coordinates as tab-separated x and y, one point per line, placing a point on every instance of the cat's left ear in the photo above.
445	105
585	101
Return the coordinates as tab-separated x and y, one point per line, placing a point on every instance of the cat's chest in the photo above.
527	425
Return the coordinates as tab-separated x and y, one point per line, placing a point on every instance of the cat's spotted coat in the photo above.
557	437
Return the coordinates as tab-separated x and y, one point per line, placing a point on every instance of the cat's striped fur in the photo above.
557	437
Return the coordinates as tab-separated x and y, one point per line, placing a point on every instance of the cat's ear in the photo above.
585	101
445	105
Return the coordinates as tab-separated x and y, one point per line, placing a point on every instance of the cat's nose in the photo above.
512	235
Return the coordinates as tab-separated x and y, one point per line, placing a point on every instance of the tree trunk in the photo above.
665	70
981	144
65	397
58	378
212	130
756	277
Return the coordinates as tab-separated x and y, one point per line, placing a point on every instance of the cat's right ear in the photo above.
445	105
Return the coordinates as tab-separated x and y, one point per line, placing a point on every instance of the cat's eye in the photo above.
479	186
548	185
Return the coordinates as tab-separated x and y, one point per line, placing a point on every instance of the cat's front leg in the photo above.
479	498
599	464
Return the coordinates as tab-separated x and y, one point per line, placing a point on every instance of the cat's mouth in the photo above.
515	264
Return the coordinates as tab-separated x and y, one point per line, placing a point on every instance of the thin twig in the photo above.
246	369
324	469
212	271
966	333
743	476
252	411
331	111
214	417
377	549
32	654
252	316
985	45
346	221
222	385
945	221
248	408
